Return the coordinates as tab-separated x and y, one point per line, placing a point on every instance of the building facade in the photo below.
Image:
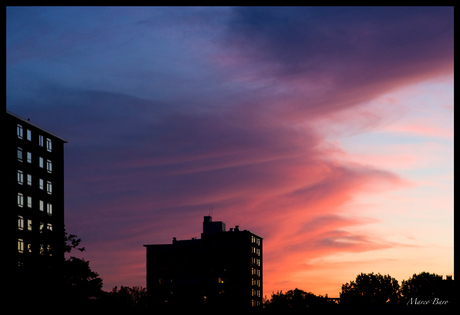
34	203
223	269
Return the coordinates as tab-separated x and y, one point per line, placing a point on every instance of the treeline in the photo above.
423	290
373	290
80	290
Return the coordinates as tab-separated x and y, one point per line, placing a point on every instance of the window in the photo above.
20	200
49	227
49	187
29	157
20	178
29	202
40	162
20	223
48	144
29	248
42	249
49	166
29	225
19	131
40	184
20	245
49	209
20	154
41	205
41	226
40	140
29	179
29	135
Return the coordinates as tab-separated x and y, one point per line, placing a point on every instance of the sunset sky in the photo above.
328	131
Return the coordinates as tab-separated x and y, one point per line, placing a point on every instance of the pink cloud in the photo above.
254	149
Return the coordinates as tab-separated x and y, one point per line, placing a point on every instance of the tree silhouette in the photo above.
71	242
126	299
80	283
297	300
370	290
426	287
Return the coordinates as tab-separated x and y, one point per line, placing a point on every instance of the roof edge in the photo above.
30	123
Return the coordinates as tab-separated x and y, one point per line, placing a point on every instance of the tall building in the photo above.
34	205
223	269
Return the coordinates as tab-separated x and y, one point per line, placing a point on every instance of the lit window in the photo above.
49	227
48	249
49	187
29	157
20	200
19	131
40	184
20	178
29	248
29	179
49	166
20	222
48	144
29	202
20	246
29	135
29	225
40	162
42	249
41	226
40	140
49	209
20	154
41	205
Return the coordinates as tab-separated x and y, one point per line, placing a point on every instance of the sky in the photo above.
328	131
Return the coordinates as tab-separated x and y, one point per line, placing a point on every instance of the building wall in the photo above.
234	268
34	181
223	269
174	274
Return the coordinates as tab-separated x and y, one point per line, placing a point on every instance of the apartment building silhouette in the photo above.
223	269
34	206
